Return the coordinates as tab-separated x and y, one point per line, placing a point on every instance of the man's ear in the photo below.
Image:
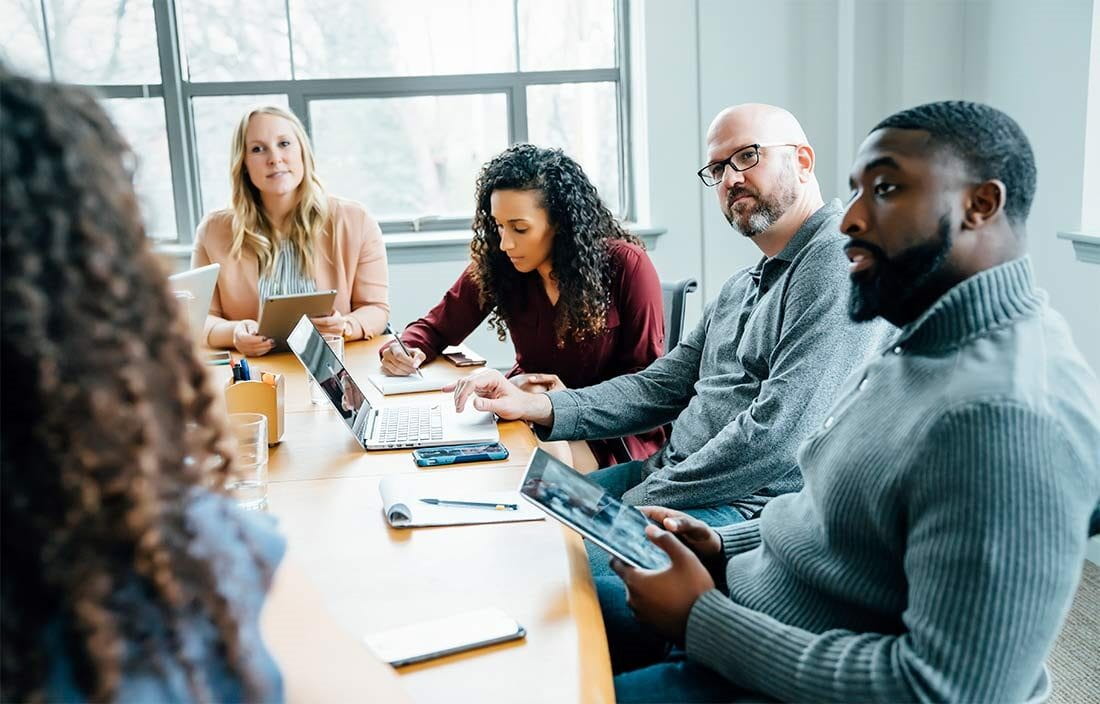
805	159
985	202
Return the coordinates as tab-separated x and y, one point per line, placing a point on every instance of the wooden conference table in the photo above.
324	492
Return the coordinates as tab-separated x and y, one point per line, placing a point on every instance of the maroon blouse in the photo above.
633	337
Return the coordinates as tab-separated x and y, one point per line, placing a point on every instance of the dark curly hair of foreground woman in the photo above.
583	229
103	401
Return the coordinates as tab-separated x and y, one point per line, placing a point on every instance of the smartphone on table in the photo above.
434	639
453	454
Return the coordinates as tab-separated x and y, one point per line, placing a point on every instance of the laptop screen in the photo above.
331	375
194	289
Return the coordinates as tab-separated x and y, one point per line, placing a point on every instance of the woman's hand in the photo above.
538	383
334	323
248	342
396	363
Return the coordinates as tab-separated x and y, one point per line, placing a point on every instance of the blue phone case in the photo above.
453	454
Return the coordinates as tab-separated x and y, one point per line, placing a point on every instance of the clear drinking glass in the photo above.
248	485
336	344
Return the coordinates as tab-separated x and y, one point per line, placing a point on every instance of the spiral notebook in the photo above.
403	504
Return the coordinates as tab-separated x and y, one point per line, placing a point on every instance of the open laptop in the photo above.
383	426
195	289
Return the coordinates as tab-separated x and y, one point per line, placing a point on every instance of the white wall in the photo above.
840	66
1090	187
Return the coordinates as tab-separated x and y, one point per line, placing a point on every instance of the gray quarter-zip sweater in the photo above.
937	544
745	386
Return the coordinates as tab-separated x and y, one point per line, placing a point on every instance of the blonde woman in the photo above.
284	234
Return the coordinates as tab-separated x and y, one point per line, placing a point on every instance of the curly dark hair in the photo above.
583	229
103	401
987	140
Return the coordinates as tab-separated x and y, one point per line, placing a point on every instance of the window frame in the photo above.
177	93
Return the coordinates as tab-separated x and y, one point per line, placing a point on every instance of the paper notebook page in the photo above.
442	515
391	385
403	508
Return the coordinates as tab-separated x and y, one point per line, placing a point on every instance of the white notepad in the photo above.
392	385
403	508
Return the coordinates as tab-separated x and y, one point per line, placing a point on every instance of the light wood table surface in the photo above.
324	491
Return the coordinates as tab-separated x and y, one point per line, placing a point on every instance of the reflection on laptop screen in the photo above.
329	373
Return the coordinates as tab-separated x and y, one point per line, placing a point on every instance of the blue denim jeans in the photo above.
647	667
620	478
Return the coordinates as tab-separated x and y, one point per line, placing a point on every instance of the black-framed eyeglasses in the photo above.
741	160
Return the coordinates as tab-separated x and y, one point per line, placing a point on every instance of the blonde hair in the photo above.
252	229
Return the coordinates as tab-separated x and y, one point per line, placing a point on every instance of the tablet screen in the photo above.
589	509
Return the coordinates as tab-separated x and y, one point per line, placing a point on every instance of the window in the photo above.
403	101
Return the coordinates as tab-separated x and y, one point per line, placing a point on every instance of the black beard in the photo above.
900	288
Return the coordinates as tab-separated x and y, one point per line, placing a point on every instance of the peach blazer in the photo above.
350	258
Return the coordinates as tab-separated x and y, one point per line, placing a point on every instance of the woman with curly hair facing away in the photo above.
128	575
552	267
283	235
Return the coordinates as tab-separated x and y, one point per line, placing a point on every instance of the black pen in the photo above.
472	504
389	331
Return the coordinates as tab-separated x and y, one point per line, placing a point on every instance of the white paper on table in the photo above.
402	507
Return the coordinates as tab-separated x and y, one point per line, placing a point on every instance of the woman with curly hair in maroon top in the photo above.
553	268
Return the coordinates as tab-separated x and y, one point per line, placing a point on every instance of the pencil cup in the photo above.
266	397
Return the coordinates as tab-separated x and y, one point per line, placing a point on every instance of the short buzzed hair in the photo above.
988	141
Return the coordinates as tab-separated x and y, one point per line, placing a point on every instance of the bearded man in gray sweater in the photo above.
757	373
936	546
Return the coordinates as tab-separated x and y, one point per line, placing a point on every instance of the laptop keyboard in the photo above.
411	424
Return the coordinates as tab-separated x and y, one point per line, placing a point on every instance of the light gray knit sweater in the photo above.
936	546
745	386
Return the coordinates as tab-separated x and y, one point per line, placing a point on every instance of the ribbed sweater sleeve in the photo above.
994	536
739	537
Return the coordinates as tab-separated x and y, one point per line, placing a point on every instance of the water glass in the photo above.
248	485
316	393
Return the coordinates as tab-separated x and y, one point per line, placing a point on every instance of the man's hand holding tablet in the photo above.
663	598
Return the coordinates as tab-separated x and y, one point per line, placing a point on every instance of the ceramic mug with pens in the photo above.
316	393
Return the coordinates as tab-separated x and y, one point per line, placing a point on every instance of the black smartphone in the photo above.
452	454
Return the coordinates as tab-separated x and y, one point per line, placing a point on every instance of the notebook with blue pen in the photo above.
410	501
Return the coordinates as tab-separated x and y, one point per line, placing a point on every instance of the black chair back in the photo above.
674	294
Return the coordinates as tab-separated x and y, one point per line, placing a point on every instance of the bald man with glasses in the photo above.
758	372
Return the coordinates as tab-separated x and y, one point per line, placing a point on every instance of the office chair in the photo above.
674	293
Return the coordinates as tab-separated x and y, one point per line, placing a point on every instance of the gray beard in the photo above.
767	211
761	219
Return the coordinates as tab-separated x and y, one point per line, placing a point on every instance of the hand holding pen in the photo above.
398	360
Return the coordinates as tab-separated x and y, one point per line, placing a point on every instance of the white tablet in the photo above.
279	314
589	509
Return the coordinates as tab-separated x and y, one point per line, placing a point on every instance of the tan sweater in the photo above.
350	257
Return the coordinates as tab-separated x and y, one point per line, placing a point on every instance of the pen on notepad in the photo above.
472	504
389	331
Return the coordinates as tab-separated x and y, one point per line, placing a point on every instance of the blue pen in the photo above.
246	373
